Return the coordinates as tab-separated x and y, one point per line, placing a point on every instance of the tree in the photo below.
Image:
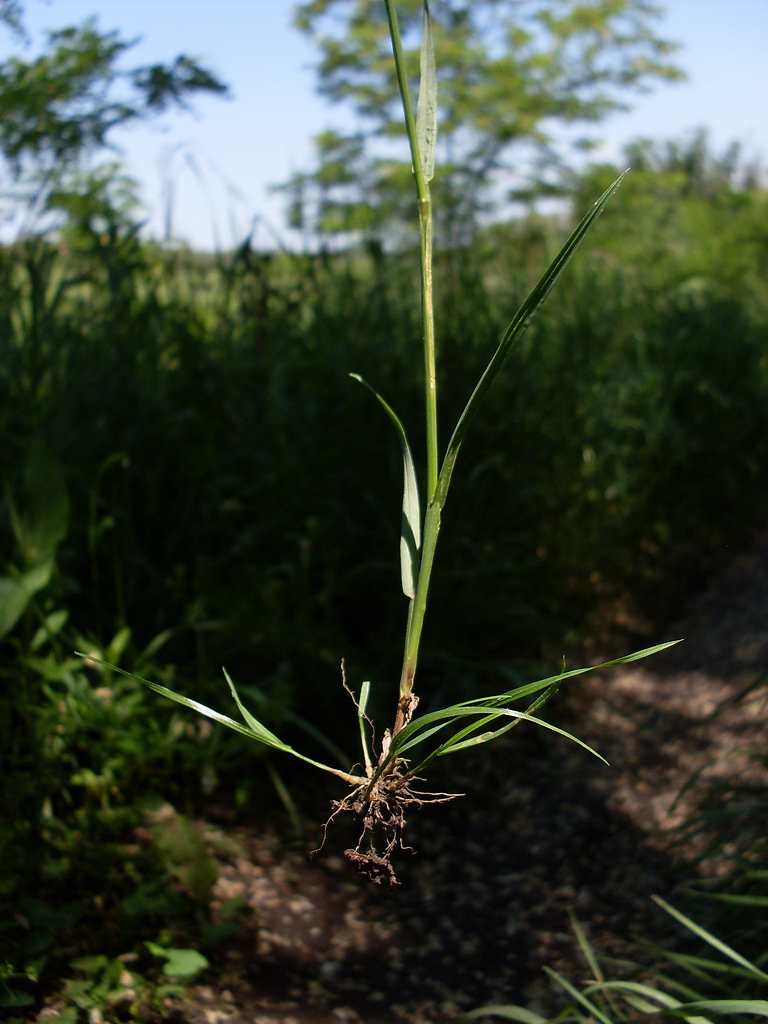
59	109
10	13
509	71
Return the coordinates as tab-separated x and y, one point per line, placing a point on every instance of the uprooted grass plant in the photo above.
385	784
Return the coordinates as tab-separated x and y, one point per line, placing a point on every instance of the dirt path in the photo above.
543	828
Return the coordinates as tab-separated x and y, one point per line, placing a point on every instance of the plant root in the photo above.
382	799
382	807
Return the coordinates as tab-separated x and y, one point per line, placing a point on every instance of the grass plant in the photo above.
383	784
729	985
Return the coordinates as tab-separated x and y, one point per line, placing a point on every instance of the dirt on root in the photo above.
543	829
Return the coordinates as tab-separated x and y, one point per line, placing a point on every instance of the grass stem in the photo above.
432	518
431	531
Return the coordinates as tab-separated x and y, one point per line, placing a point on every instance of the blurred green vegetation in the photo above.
191	480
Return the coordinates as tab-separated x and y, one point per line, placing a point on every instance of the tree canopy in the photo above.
59	108
509	72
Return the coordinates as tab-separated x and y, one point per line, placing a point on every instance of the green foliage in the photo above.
84	836
11	14
410	529
729	985
38	530
385	784
182	399
217	500
380	795
505	72
186	393
59	108
115	989
179	963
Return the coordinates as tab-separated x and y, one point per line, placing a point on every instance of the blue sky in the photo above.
223	158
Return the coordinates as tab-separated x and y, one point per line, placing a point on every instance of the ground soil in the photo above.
543	829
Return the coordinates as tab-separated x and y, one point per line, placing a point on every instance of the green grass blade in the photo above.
289	716
522	716
586	947
711	939
408	736
405	95
540	684
415	733
410	531
517	1013
230	723
698	966
639	1002
690	995
742	901
285	798
514	332
632	989
759	1007
426	109
263	735
362	704
259	730
452	747
458	742
579	996
426	734
654	994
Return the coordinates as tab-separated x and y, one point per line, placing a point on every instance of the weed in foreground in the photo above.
733	981
383	791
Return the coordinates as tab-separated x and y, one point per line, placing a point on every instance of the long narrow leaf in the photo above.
632	989
263	735
459	742
678	986
488	703
410	531
700	967
285	798
711	939
654	994
407	736
756	1006
230	723
517	1013
514	332
405	95
579	996
259	730
362	704
586	947
426	110
289	716
541	684
522	716
742	901
410	736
